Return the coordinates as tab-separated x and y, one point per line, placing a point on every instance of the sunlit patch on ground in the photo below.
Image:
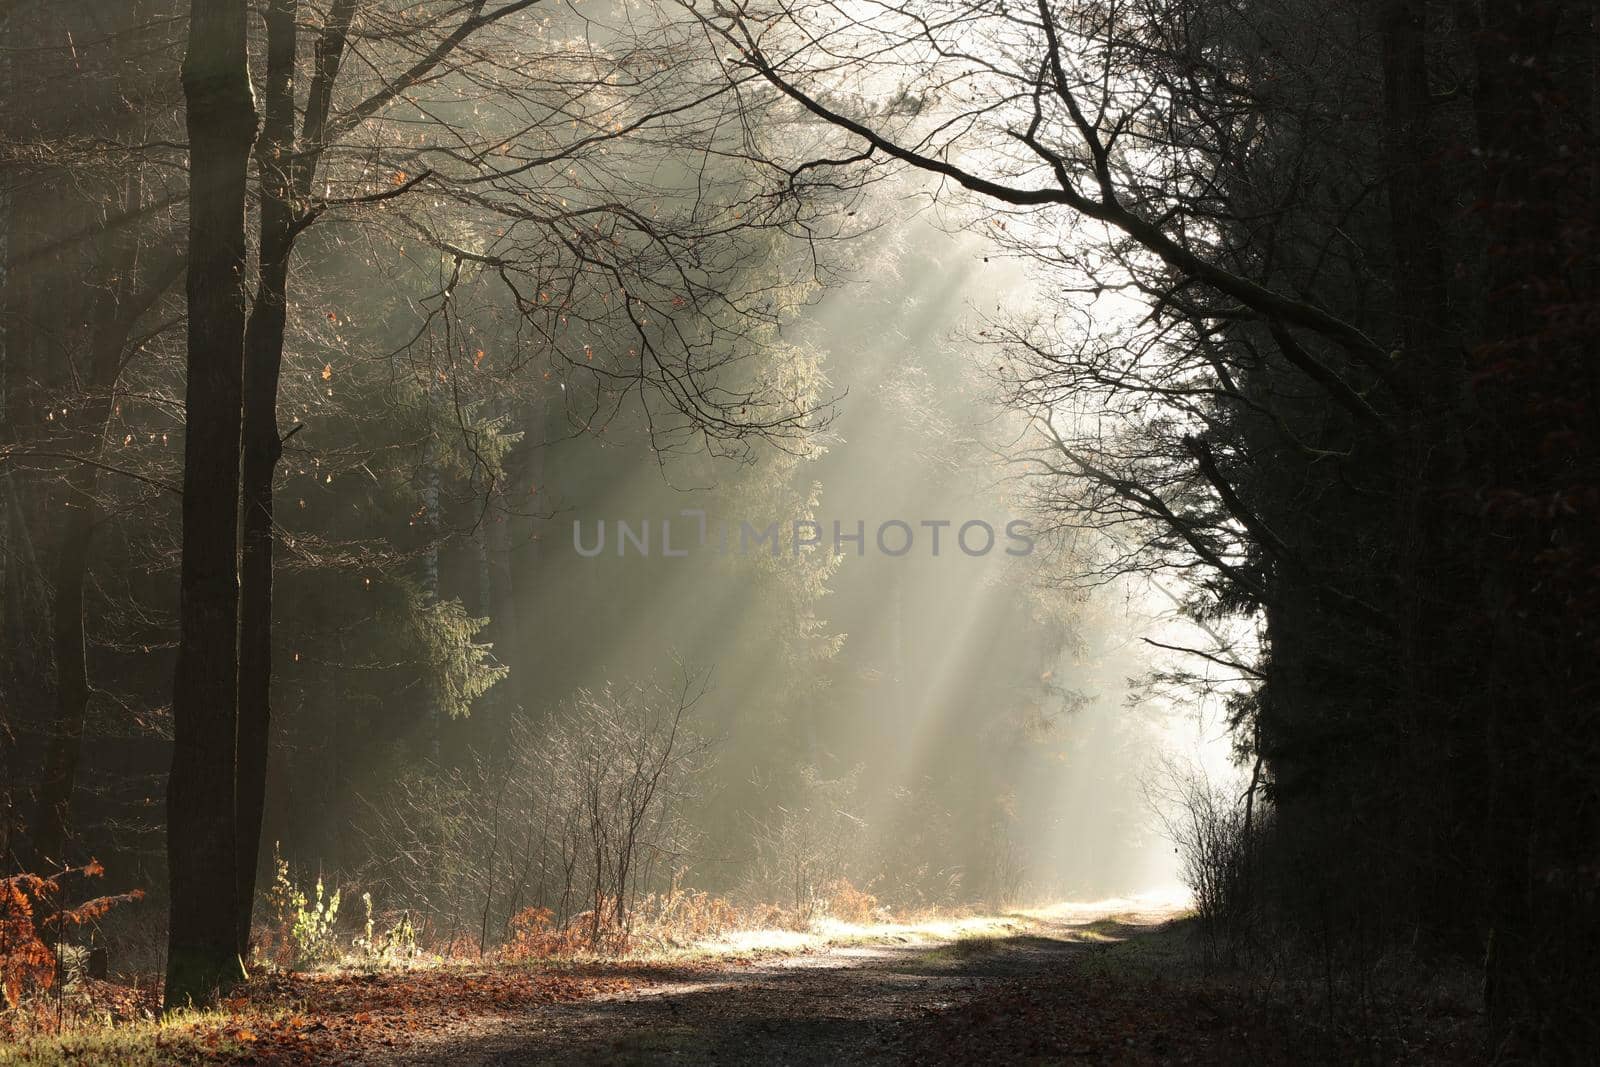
824	933
1086	920
1141	909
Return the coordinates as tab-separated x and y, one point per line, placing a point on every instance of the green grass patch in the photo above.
150	1044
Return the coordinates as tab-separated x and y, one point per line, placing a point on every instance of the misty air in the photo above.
742	532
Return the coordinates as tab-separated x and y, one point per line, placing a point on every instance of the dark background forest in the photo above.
327	325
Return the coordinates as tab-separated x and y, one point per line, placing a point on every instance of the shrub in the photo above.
1215	840
848	904
394	942
300	927
805	847
683	916
536	935
570	816
32	916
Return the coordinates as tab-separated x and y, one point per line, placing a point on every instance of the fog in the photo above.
620	512
972	721
972	726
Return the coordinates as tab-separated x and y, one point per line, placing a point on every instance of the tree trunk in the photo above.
1429	693
202	829
286	173
263	360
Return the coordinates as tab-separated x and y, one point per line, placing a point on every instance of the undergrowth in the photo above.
56	1013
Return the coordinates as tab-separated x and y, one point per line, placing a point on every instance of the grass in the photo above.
202	1037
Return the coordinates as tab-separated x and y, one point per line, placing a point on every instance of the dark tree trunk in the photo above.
202	828
262	448
1431	834
285	172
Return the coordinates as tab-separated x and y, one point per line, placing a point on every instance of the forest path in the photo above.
869	1001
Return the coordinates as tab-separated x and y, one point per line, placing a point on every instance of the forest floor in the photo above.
1090	984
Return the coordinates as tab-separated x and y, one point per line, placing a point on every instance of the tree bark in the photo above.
285	172
1430	650
263	360
202	829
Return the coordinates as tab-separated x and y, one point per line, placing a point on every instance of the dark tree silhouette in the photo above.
1357	465
202	829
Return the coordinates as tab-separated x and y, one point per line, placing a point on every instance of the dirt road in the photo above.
869	1002
1113	983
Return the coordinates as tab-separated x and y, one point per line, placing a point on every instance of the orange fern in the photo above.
29	908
